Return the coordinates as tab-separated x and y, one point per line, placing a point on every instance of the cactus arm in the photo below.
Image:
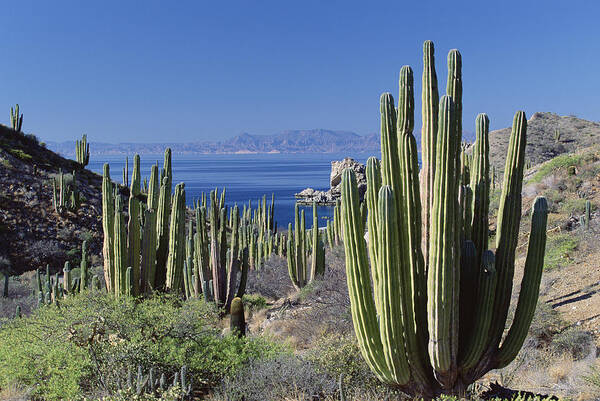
454	89
148	266
530	286
509	215
429	131
174	278
108	219
391	320
480	185
440	278
476	340
371	198
120	249
364	314
413	281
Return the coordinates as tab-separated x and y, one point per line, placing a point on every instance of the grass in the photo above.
559	248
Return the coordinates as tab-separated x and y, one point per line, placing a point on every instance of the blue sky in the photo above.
148	71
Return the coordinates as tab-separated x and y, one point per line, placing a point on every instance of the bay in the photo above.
245	176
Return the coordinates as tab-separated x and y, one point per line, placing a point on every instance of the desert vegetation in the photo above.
453	279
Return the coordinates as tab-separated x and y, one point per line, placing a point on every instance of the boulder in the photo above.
310	195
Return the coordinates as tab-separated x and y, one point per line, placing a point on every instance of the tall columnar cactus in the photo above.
432	321
16	119
587	215
297	246
84	271
318	248
176	257
82	151
133	226
108	219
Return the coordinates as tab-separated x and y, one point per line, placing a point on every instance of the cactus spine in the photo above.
438	329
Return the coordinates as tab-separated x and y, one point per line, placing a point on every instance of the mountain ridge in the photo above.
288	141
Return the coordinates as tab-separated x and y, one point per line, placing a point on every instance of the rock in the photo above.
338	167
329	197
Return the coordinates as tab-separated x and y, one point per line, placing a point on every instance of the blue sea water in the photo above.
246	177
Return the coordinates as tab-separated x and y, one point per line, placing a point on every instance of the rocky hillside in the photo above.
575	133
31	233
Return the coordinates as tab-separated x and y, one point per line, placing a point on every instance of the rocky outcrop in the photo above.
330	196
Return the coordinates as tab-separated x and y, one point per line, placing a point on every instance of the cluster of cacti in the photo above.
82	151
528	164
155	384
301	243
50	289
16	119
137	254
433	320
155	251
557	135
65	196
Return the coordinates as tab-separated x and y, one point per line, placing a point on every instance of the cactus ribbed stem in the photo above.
176	258
429	130
509	215
530	286
441	273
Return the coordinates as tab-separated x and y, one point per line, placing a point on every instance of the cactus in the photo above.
433	319
237	322
64	196
175	260
84	270
587	216
82	151
318	248
557	135
16	119
108	212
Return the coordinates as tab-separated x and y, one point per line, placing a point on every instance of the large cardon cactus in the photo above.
431	310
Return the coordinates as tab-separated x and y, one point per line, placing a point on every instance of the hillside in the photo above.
291	141
31	233
575	133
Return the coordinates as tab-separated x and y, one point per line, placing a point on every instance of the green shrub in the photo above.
561	162
18	153
334	356
558	250
88	343
254	301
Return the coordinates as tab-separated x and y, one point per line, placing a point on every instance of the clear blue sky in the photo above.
146	71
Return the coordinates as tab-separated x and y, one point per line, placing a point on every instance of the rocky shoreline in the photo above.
329	197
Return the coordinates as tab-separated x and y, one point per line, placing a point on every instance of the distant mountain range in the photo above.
293	141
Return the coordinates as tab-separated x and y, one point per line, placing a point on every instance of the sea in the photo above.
245	176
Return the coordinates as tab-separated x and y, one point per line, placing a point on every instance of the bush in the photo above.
284	378
88	343
337	356
574	342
